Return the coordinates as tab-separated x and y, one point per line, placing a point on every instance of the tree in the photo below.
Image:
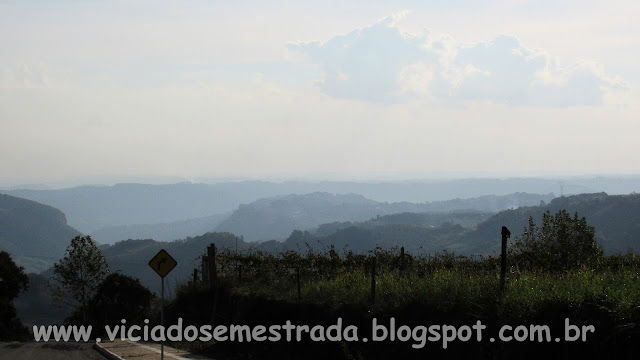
12	281
561	243
118	297
78	275
122	297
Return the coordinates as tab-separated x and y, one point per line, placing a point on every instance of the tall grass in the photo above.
443	282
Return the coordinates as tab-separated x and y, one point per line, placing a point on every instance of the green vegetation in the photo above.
556	271
117	297
261	288
562	242
38	306
444	283
614	217
560	257
78	275
82	282
556	264
12	281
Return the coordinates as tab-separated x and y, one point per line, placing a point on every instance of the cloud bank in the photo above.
380	63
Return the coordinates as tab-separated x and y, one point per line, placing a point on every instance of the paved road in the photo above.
147	351
48	351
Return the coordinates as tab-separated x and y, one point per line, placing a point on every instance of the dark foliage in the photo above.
118	297
78	274
12	281
562	242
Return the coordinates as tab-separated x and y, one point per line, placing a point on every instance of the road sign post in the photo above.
162	264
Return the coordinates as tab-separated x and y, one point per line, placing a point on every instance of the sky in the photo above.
325	89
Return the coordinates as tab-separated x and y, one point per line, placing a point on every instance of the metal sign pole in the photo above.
162	264
162	318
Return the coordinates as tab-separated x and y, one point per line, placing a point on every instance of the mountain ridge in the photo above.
34	234
90	208
277	217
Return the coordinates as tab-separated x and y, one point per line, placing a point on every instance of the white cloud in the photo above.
380	63
367	63
513	74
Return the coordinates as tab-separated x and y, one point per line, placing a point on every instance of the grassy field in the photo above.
262	288
442	282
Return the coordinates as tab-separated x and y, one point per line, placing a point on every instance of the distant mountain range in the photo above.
277	217
36	235
616	219
92	208
161	232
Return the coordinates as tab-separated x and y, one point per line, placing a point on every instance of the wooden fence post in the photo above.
213	277
211	252
503	263
298	281
373	280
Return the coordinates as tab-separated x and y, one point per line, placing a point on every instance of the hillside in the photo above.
35	235
277	217
363	238
616	219
161	231
90	208
132	256
464	232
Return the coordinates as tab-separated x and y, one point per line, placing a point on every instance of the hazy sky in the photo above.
330	88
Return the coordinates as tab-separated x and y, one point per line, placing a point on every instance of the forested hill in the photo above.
277	217
616	219
34	234
90	208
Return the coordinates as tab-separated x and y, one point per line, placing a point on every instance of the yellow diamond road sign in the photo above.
163	263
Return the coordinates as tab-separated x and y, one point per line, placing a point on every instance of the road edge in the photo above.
106	353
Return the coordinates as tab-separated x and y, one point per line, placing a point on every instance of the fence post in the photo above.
213	277
402	258
373	280
211	252
195	276
503	263
298	280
